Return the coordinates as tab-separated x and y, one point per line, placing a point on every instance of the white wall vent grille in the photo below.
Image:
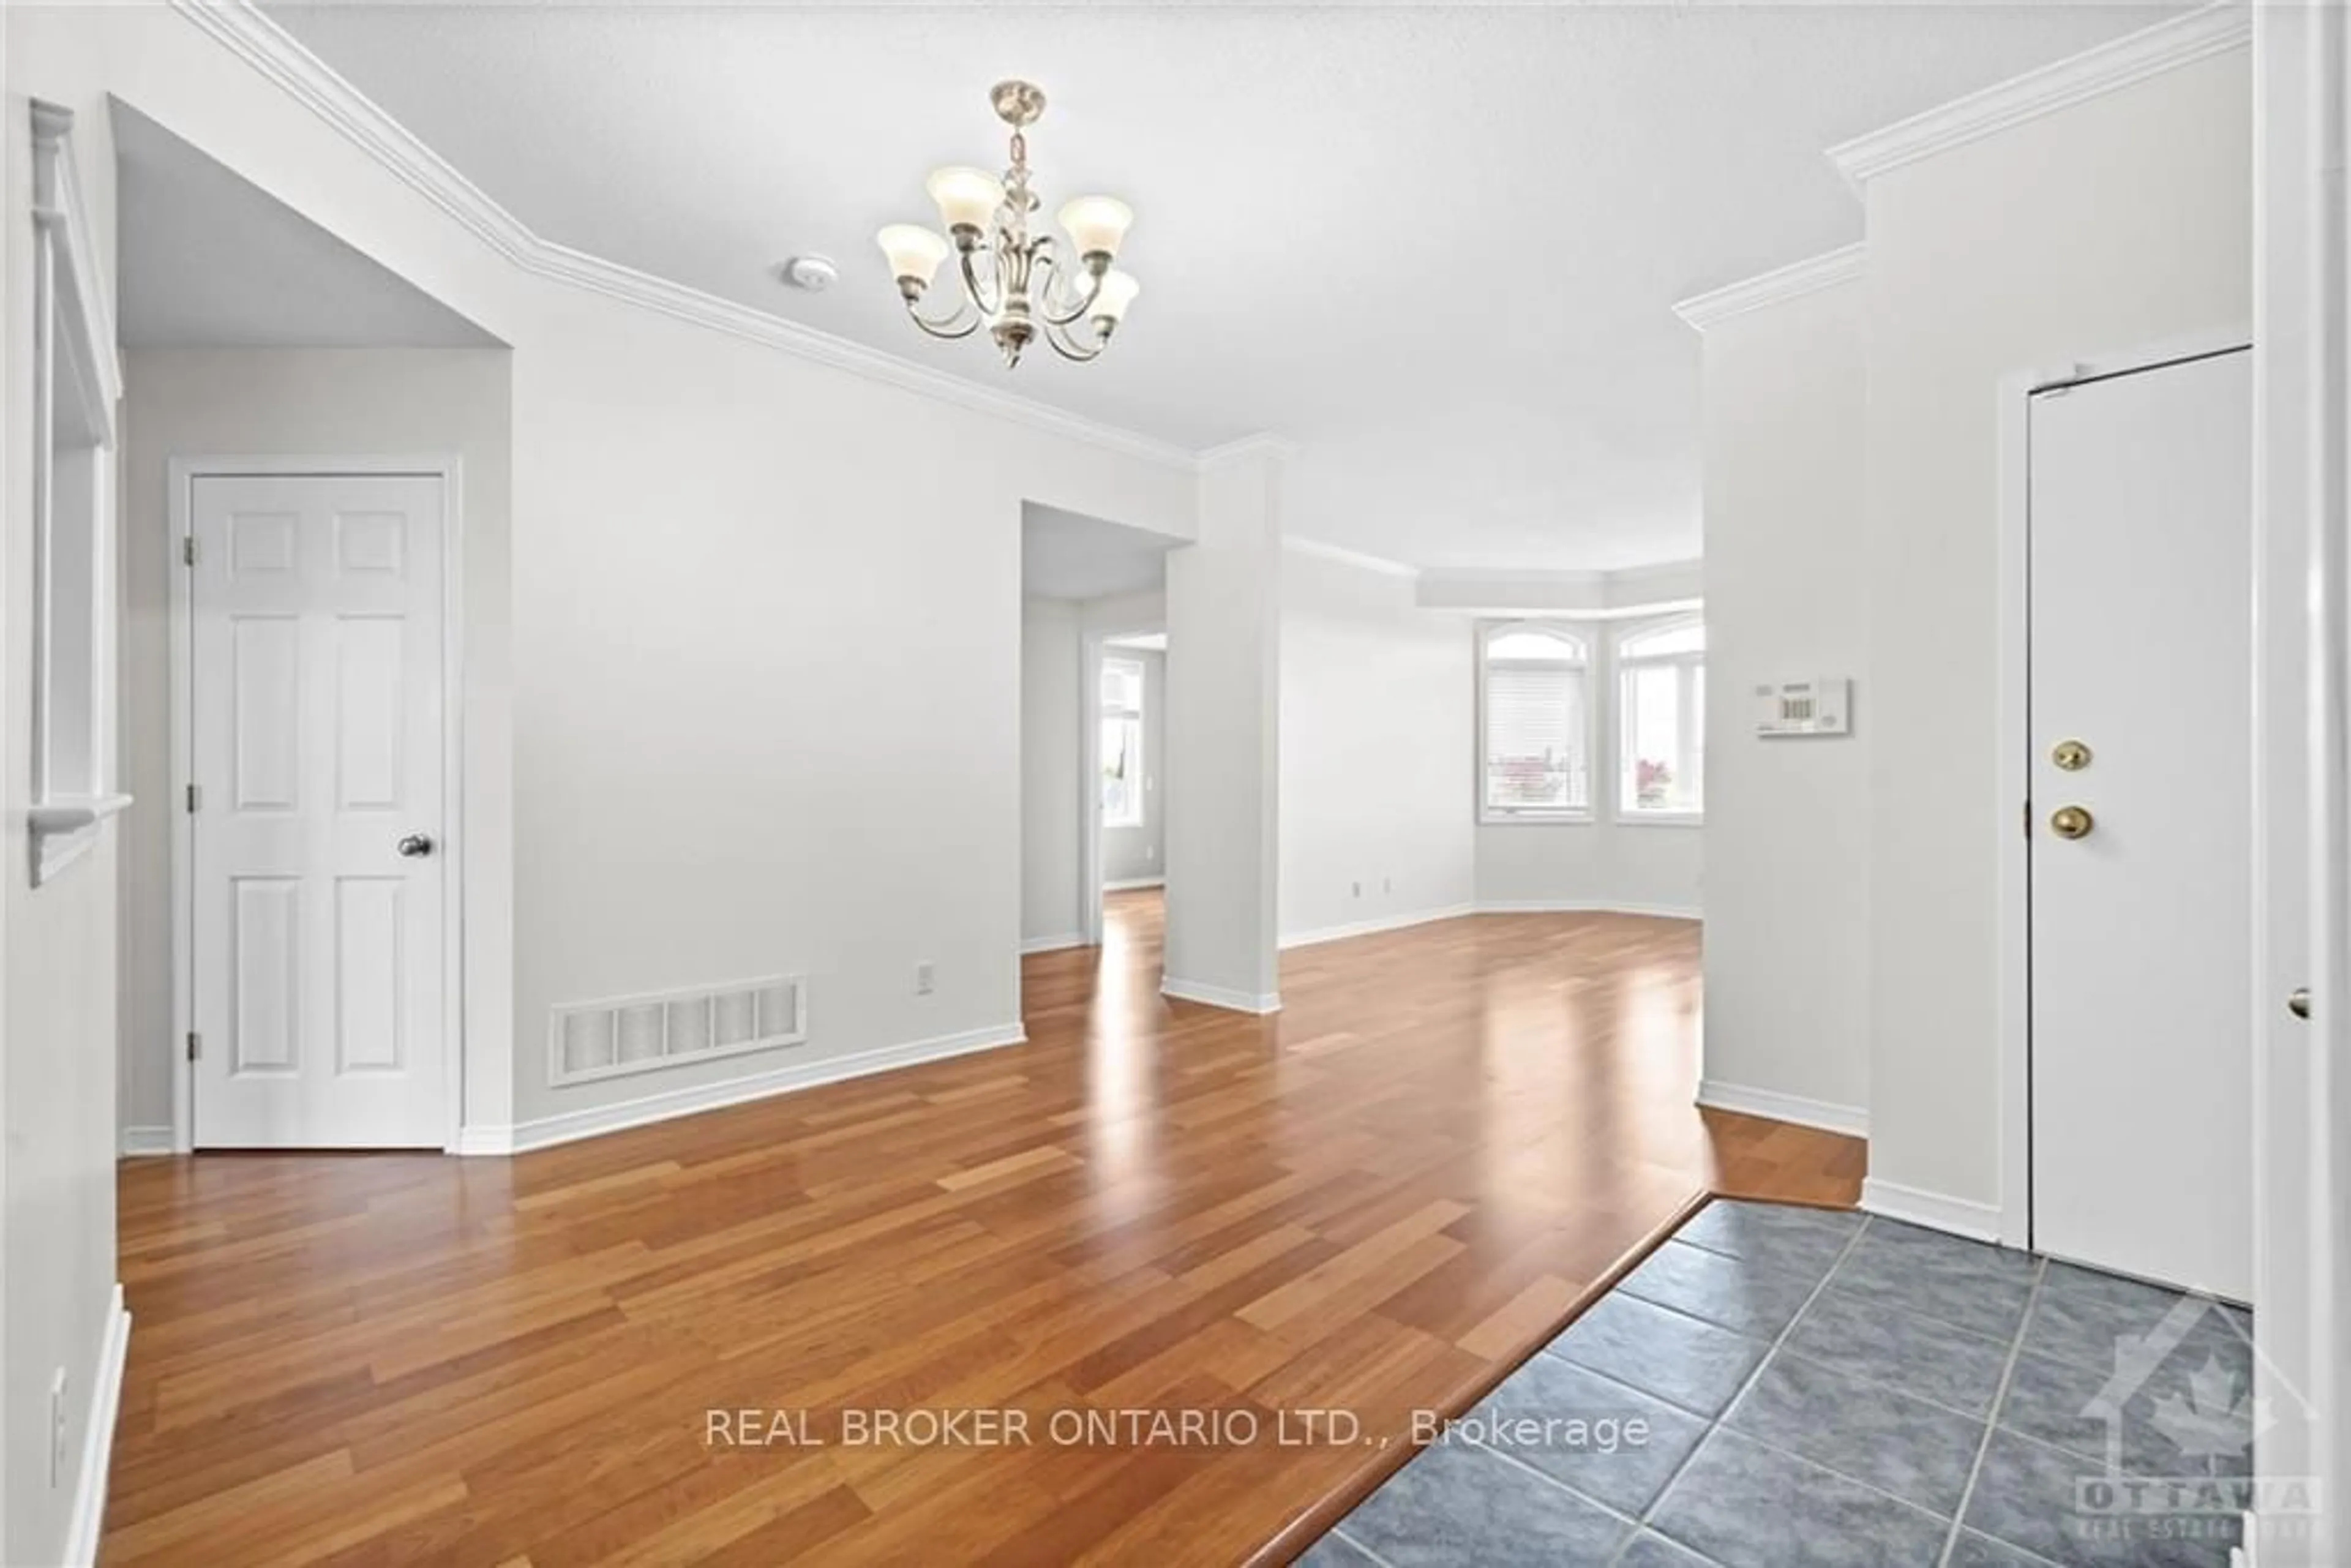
588	1040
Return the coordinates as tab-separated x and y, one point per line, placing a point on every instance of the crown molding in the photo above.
1264	443
1692	569
240	27
1777	286
1559	579
1362	561
2135	57
1625	593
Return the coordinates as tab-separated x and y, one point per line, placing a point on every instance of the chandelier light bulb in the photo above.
915	252
1097	225
967	199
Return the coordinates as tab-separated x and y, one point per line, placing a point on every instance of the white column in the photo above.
1223	716
2302	936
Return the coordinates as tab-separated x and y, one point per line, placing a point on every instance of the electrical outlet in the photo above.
1388	884
927	979
56	1426
1354	890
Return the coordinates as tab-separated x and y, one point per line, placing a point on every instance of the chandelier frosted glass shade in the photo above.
966	198
1097	225
914	254
1021	286
1117	292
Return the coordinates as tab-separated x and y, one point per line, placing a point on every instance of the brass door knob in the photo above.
2071	823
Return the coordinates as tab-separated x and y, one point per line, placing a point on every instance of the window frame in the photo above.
78	384
1490	815
1105	710
1690	718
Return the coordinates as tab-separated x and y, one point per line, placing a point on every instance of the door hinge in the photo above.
195	798
195	1045
188	549
2028	819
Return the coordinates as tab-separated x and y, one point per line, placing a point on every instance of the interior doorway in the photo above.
1124	862
2137	561
311	443
1093	732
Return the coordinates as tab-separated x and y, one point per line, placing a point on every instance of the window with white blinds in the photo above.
1535	722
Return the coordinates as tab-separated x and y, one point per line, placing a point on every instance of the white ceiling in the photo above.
1069	555
210	260
1435	244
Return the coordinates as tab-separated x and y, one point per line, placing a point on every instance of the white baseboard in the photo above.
483	1140
1052	944
1958	1216
87	1519
1382	923
1130	883
1827	1115
570	1126
1586	907
138	1142
1220	997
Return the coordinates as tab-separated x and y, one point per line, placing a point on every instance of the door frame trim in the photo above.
183	473
1090	860
2013	745
1093	648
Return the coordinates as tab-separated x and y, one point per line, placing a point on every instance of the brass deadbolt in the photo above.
2071	823
2070	755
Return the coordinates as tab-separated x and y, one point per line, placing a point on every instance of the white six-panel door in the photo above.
2141	559
316	728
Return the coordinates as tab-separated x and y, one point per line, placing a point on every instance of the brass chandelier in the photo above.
1019	286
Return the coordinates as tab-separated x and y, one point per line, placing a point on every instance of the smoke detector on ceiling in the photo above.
814	273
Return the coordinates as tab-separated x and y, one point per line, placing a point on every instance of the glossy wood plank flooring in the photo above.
1378	1200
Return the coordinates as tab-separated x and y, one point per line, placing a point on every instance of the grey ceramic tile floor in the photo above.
1778	1386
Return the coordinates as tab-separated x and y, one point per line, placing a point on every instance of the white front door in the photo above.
2141	655
317	732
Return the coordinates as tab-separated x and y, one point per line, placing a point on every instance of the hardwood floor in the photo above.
1378	1200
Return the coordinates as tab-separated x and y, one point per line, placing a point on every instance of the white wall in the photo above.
1049	798
58	941
1378	699
329	403
716	681
2122	221
1653	868
1787	826
1139	854
706	532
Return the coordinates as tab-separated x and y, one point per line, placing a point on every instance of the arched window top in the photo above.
1530	643
1675	639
